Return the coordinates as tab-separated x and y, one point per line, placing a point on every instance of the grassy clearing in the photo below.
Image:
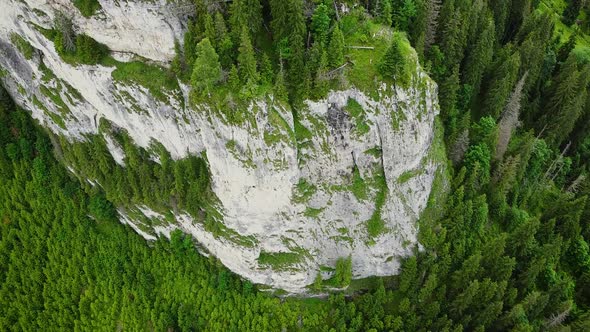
359	31
563	32
155	78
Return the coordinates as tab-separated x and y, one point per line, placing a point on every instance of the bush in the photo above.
87	7
89	51
22	45
343	274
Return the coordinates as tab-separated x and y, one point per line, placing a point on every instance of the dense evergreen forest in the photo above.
509	253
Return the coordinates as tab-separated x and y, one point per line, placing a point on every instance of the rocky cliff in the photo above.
354	184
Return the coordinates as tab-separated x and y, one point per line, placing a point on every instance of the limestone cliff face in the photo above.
363	158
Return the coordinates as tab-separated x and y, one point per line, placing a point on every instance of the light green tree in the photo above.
206	68
336	48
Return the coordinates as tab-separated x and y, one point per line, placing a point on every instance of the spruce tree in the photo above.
210	32
246	13
247	59
206	67
321	82
266	73
567	48
320	23
336	48
567	100
233	79
280	19
501	9
386	13
480	57
503	79
280	90
394	63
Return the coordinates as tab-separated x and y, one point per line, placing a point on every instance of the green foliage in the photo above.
304	191
23	46
357	112
87	7
156	79
343	273
206	68
246	14
247	62
89	51
509	251
397	63
279	260
358	187
83	49
320	23
336	48
404	12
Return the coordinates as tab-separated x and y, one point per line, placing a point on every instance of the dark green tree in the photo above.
247	60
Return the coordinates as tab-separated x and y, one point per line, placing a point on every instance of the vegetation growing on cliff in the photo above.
510	251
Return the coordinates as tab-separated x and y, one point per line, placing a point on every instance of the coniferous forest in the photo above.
504	249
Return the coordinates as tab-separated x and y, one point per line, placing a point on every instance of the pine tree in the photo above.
206	67
220	27
223	41
571	12
519	10
247	60
336	48
404	14
453	39
288	19
394	63
298	73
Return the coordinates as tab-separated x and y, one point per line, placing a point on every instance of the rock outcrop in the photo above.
353	184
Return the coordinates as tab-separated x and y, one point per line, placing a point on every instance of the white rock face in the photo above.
364	158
